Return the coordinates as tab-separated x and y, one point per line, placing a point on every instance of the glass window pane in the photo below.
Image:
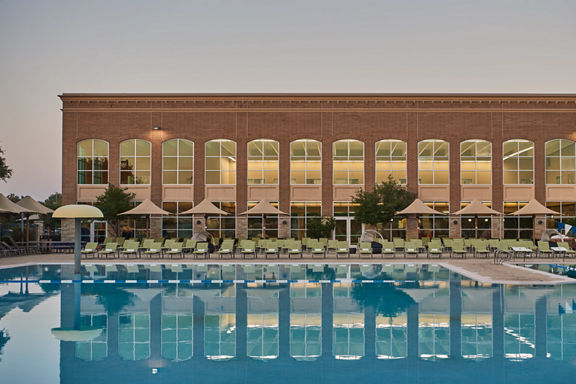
212	163
212	177
271	149
229	149
297	177
186	148
185	177
553	148
126	163
313	149
186	163
100	148
142	177
142	163
567	148
297	149
85	148
356	149
170	148
170	177
212	148
142	148
341	149
170	163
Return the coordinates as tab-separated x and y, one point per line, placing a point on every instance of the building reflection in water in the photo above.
433	317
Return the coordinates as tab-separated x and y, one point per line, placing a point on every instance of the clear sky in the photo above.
53	46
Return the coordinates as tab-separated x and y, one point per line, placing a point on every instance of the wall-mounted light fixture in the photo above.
156	128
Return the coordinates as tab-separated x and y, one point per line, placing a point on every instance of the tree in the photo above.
14	197
112	202
380	206
320	227
5	171
53	202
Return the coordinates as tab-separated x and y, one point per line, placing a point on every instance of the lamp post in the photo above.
77	212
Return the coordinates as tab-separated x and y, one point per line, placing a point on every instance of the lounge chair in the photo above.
226	248
154	250
248	248
365	248
458	248
176	249
316	248
272	249
130	248
568	251
109	249
294	248
201	249
189	246
388	248
435	248
481	249
544	248
90	249
343	249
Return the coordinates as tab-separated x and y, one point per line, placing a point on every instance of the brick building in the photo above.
311	152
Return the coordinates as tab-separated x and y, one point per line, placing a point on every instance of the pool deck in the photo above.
482	270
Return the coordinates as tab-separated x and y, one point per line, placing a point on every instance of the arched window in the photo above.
518	162
560	162
348	162
220	162
433	162
391	161
263	162
92	161
305	162
476	162
178	161
135	156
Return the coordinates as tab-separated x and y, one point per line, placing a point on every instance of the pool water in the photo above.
266	323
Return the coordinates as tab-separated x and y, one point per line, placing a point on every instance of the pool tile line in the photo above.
208	281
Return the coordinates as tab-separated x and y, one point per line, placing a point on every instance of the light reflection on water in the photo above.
430	326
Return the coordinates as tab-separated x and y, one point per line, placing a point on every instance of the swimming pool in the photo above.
280	323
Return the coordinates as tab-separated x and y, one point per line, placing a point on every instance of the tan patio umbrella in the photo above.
7	206
263	208
534	208
415	209
418	208
205	208
476	208
34	206
148	208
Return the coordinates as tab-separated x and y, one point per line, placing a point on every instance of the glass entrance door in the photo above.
98	231
348	229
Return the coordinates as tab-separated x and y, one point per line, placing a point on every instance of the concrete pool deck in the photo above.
481	270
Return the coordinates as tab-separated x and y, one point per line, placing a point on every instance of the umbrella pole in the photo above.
263	226
77	247
476	226
148	226
27	233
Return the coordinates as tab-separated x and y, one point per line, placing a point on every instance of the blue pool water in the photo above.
263	323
